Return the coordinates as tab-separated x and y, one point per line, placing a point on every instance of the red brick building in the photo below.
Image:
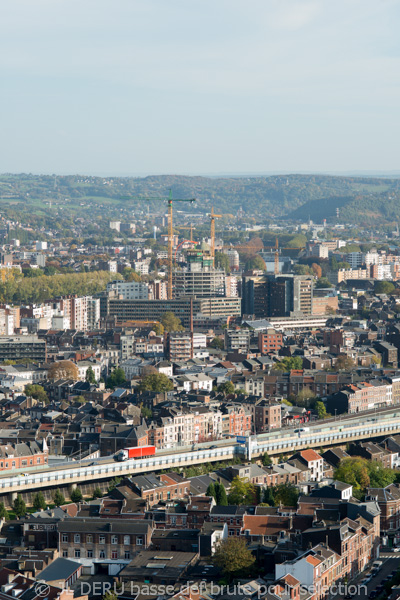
23	455
270	341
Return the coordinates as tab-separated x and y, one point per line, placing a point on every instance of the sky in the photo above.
143	87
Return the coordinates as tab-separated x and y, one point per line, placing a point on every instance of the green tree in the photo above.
113	483
130	274
255	262
222	261
76	495
305	398
266	460
233	556
39	502
211	491
58	498
301	269
110	595
286	494
170	322
3	512
221	498
19	506
323	282
217	343
37	391
116	378
289	363
90	376
145	412
354	471
380	476
268	496
242	492
384	287
157	382
226	388
97	493
321	410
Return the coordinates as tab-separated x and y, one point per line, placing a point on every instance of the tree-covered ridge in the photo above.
279	194
364	208
18	290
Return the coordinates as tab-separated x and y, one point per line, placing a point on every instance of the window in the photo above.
64	537
77	538
13	464
127	555
77	553
139	541
65	553
38	461
90	553
102	554
127	540
102	539
89	539
114	554
114	539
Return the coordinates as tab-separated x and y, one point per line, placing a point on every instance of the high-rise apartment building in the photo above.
276	296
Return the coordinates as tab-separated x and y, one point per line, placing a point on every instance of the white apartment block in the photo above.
83	366
141	267
129	290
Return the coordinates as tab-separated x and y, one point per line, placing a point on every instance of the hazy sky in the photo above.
138	87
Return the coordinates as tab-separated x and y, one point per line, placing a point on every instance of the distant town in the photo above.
196	404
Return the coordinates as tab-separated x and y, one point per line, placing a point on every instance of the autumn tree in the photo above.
317	270
63	369
171	322
344	363
156	382
233	557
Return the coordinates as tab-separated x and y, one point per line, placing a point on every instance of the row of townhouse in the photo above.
366	395
185	427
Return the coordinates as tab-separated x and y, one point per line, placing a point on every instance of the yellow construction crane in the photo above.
169	199
213	216
190	228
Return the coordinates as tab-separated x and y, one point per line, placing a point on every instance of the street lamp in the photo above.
335	413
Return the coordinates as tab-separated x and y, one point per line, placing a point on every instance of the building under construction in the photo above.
200	278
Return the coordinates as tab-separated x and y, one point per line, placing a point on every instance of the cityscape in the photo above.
200	352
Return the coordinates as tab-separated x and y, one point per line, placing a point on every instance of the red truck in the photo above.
136	452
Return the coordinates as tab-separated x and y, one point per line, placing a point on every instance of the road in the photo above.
389	565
